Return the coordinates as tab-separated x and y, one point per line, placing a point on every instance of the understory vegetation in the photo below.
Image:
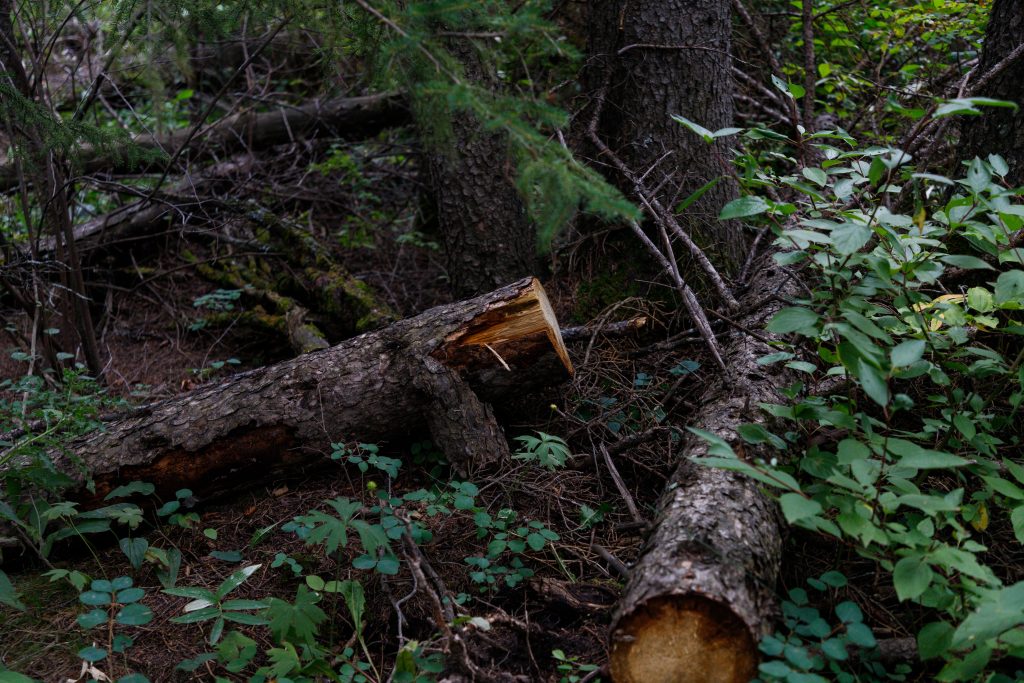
157	235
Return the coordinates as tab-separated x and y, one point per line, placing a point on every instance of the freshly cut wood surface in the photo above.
422	372
702	593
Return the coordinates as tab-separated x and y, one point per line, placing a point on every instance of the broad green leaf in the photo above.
907	352
980	299
998	164
743	207
860	635
833	579
1010	288
934	639
194	593
911	577
135	615
873	382
850	451
695	127
965	425
934	178
850	237
355	600
849	613
777	479
1017	520
92	654
197	616
969	106
796	507
235	580
1002	610
978	176
815	175
726	132
1005	488
92	618
8	595
755	433
136	487
238	604
134	549
130	595
914	456
245	618
966	262
792	319
94	598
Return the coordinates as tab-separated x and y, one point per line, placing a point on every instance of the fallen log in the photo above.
437	370
701	595
349	118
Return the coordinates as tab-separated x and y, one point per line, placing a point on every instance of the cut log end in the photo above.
509	331
683	639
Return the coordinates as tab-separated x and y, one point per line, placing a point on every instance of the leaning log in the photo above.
438	370
701	595
348	118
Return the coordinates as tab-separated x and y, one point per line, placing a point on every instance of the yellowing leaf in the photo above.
936	322
980	521
919	219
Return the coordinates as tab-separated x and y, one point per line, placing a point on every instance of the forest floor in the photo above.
624	386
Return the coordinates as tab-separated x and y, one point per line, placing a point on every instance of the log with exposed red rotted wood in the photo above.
439	370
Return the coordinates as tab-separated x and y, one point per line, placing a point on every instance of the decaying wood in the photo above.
701	594
438	370
349	118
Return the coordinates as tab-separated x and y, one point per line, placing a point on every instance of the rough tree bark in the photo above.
702	594
1001	131
438	370
665	57
349	118
487	237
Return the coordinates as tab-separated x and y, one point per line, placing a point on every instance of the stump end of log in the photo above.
511	330
683	639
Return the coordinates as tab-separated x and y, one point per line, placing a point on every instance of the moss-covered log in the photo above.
438	371
701	595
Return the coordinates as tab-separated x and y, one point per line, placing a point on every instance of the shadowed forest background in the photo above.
651	341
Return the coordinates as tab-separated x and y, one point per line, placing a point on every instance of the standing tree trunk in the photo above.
486	234
53	189
659	58
1001	131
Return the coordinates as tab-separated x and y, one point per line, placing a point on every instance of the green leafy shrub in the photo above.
907	348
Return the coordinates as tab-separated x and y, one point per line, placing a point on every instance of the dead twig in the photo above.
627	497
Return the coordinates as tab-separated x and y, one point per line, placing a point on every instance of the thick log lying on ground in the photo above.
349	118
435	370
701	594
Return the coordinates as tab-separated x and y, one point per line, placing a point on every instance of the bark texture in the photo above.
659	58
434	370
350	118
998	130
702	594
487	237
